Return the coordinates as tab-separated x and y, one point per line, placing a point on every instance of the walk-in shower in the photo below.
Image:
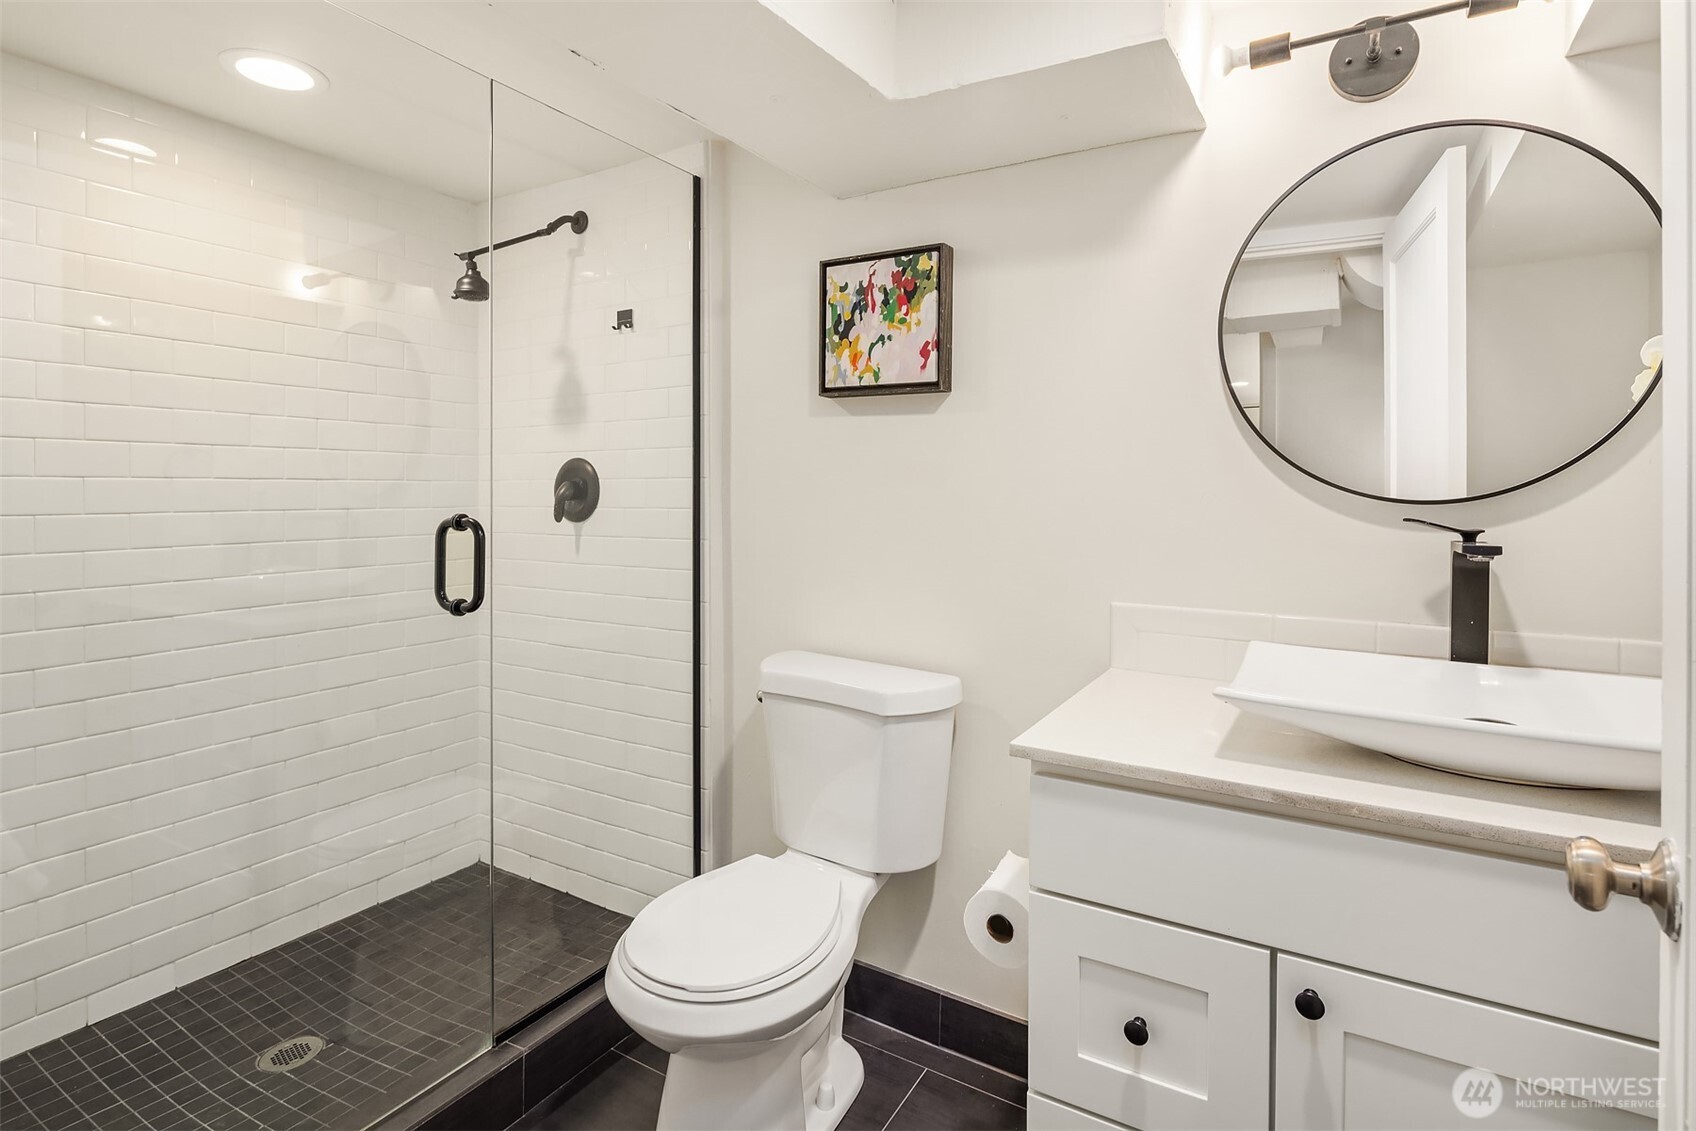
292	825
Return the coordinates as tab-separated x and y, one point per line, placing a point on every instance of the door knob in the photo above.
1136	1031
1592	877
1310	1005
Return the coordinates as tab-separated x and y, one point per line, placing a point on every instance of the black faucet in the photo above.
1469	593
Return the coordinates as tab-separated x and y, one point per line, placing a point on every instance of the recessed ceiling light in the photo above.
278	72
127	147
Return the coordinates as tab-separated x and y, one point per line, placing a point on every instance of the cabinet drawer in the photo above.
1384	1054
1204	1006
1044	1114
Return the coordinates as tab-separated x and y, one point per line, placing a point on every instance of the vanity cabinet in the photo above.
1194	965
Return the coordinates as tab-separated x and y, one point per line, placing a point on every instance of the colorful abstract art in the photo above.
886	322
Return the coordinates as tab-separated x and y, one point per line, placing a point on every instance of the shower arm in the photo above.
577	221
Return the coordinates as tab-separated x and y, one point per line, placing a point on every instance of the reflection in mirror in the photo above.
1447	313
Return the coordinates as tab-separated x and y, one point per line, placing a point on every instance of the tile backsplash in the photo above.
1209	643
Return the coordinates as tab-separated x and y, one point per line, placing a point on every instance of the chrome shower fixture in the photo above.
1372	59
472	287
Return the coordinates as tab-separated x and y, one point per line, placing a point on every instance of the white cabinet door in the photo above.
1388	1055
1145	1023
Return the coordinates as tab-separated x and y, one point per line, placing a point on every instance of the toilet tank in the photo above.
859	758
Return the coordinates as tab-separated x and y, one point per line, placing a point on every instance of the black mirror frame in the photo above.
1225	372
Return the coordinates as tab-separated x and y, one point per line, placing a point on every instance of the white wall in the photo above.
233	710
1575	390
593	645
1329	400
1088	452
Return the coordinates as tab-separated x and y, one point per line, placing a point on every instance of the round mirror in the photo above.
1448	312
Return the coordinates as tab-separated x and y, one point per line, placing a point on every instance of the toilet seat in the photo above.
743	930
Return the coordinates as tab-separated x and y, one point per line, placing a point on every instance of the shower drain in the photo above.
290	1054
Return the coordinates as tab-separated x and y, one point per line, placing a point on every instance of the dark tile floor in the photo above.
910	1086
400	992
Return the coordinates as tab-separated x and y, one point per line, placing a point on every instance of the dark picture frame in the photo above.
843	310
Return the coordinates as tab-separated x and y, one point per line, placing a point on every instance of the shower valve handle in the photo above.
577	490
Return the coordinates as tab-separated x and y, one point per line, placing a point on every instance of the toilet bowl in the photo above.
739	973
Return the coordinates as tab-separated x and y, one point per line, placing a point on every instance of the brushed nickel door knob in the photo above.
1592	877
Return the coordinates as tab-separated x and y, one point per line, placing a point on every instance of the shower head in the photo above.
474	288
471	286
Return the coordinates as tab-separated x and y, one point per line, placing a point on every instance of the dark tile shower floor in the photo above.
399	991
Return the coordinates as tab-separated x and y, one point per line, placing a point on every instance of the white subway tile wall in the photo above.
593	645
1209	643
237	402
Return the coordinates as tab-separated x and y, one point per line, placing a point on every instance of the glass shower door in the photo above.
244	756
593	662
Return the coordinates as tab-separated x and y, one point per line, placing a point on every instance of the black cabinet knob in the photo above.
1310	1005
1136	1031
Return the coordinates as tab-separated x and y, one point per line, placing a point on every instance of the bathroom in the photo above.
298	765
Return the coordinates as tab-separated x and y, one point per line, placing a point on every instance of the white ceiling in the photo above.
391	105
1371	183
1550	200
475	34
1597	25
1554	201
852	95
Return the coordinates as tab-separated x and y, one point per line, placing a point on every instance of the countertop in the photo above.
1168	734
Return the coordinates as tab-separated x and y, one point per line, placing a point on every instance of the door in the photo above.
1425	337
1678	811
1358	1052
246	778
592	540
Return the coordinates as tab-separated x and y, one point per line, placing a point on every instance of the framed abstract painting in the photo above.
885	322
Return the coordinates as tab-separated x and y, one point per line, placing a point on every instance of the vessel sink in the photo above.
1532	725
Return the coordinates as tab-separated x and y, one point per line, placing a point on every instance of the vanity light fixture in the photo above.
1372	59
267	68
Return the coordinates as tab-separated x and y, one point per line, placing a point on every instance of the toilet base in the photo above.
844	1075
802	1081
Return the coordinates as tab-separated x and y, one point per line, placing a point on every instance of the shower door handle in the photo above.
459	606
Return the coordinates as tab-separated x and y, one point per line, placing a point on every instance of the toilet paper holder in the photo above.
998	913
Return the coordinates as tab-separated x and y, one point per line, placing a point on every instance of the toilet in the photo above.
739	973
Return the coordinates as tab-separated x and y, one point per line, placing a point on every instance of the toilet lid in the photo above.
745	923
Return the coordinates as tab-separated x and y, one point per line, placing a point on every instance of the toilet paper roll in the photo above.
998	915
